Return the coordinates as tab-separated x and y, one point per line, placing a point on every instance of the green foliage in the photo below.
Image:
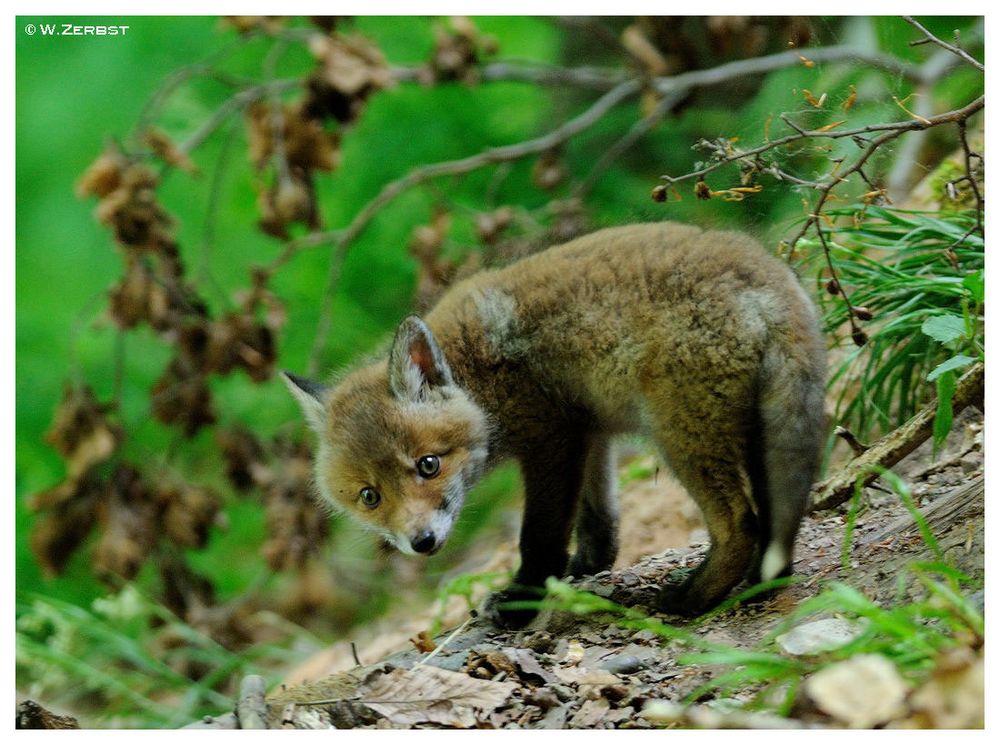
145	666
920	277
466	586
65	265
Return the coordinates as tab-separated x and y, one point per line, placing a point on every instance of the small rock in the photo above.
971	461
590	713
653	677
624	664
645	636
543	698
555	718
820	636
861	692
574	652
564	693
540	641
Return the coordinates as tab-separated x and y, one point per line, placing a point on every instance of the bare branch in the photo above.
896	445
771	62
343	238
969	175
232	105
635	133
594	78
894	128
931	38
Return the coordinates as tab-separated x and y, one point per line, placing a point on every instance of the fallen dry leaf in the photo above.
528	665
423	642
954	697
590	713
861	692
431	695
582	676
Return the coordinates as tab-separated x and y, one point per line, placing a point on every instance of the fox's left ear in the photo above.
416	362
309	394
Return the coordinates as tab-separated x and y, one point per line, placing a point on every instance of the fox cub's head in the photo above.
400	443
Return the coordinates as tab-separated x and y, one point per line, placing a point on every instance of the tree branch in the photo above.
931	38
343	238
896	445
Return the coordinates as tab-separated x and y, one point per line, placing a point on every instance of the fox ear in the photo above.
416	362
309	394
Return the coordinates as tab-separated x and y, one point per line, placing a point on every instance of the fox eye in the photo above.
370	498
428	466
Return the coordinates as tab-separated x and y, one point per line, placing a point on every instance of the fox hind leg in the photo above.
597	513
716	483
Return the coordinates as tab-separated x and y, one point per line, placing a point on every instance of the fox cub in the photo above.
698	339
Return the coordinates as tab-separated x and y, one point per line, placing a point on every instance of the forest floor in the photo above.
591	671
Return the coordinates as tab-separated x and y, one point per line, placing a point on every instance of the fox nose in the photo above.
423	543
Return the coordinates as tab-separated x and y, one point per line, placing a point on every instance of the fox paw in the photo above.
682	596
586	566
498	612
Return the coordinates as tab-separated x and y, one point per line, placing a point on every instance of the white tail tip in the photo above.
774	562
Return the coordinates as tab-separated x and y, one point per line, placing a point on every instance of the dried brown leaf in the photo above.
161	144
862	691
423	642
128	517
82	432
430	695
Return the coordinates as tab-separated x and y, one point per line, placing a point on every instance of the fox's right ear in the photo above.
309	394
416	362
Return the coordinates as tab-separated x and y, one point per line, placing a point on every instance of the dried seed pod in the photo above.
350	69
161	144
489	225
859	337
701	190
181	396
833	287
246	464
659	193
295	528
82	432
128	518
104	175
56	535
548	171
188	513
862	313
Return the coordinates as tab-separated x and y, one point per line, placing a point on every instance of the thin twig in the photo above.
969	175
931	38
445	643
230	106
930	72
635	133
212	215
781	60
206	67
896	128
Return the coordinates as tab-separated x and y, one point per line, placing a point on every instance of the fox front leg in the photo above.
552	473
